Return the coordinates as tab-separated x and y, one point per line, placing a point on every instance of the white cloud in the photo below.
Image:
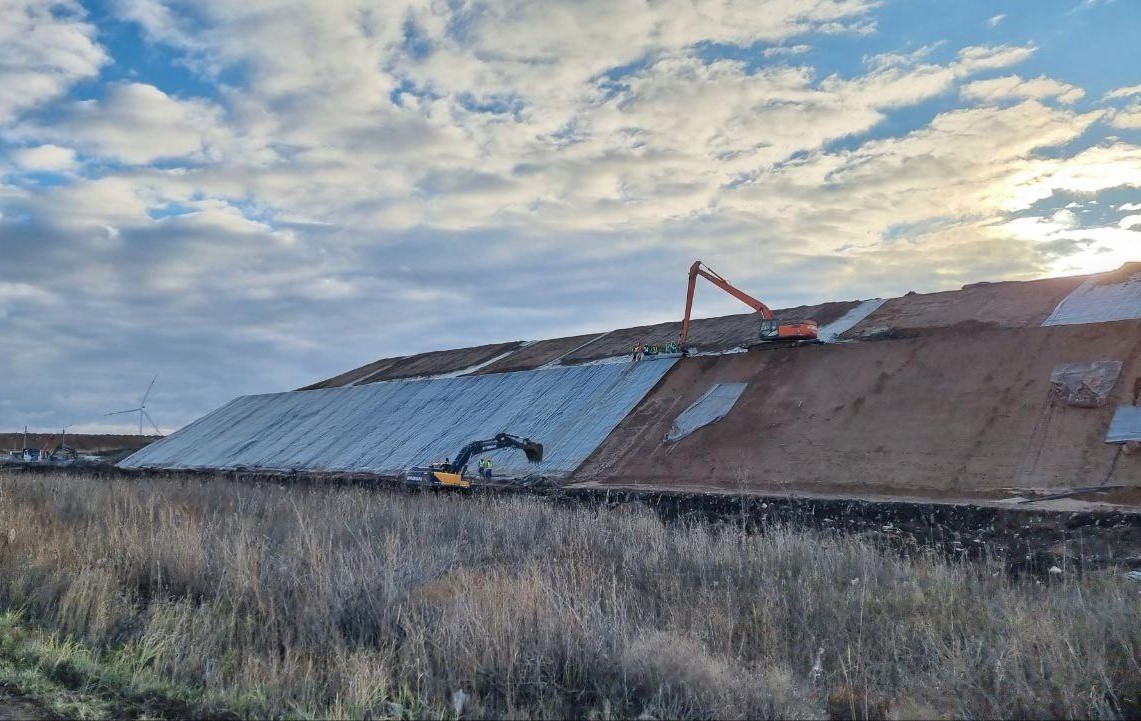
45	158
786	50
989	57
1126	92
1090	171
1065	218
1012	87
1127	118
985	151
159	22
557	148
137	123
995	20
48	45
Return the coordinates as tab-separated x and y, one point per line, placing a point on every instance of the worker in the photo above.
638	350
487	468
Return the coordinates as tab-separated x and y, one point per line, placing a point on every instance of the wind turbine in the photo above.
142	410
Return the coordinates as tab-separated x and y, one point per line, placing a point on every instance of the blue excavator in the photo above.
450	474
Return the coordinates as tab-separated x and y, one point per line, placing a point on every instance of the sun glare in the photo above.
1099	257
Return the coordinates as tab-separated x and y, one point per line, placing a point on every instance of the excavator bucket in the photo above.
533	451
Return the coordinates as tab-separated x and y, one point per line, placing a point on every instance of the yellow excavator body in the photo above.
453	480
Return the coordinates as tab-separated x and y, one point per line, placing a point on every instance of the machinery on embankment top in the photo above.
771	330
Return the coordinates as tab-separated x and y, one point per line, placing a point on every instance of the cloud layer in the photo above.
286	188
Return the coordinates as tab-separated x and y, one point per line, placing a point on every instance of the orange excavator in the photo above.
771	330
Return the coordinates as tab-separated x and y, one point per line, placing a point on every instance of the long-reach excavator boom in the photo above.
770	330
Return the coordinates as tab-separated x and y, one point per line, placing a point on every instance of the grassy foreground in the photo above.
196	597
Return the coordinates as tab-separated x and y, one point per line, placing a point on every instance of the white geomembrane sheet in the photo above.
711	407
829	333
1093	303
1126	425
385	428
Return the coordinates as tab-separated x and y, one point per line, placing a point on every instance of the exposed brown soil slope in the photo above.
958	411
421	364
444	361
538	354
1007	305
83	443
352	376
705	334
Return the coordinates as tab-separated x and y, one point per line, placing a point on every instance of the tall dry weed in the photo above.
347	602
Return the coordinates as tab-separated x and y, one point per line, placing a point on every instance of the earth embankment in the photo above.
959	412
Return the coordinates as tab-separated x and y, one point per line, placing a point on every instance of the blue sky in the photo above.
245	197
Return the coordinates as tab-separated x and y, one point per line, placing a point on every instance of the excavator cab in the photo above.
772	329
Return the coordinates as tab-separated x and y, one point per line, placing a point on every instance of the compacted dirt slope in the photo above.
413	366
955	412
536	354
1007	305
706	334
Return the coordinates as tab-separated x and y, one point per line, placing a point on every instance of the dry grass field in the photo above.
190	597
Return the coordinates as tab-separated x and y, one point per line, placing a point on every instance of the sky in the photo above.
246	197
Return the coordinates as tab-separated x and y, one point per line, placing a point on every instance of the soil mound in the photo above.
1008	305
960	412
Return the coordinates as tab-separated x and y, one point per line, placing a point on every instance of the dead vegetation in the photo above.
349	603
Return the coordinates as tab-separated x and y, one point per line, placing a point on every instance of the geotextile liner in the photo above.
385	428
709	408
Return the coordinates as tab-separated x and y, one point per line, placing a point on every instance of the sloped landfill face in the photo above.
385	428
949	413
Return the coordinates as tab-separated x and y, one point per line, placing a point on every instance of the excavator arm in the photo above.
451	474
533	450
700	269
770	329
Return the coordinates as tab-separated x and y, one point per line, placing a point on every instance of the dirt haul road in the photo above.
959	412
